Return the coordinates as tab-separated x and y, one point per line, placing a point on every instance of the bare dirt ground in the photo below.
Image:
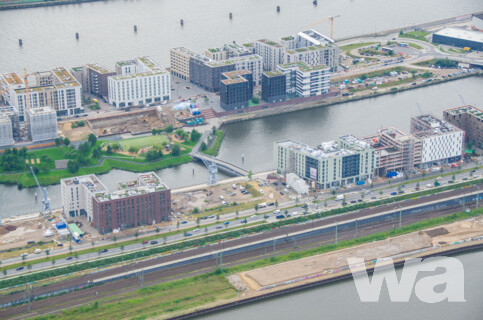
79	133
275	274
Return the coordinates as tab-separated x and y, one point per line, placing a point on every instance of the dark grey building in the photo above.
274	86
236	89
459	38
95	79
206	73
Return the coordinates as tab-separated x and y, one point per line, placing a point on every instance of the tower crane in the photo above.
46	209
331	19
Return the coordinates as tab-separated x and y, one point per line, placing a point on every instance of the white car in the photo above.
253	217
276	211
261	191
295	213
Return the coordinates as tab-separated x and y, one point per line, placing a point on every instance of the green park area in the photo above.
161	150
417	35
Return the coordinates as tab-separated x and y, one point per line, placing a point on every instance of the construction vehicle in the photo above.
331	19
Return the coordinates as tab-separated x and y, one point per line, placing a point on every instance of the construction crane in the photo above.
420	109
462	100
331	19
27	93
46	209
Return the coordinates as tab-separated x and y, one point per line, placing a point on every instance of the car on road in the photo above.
19	268
211	216
393	193
219	227
280	216
253	217
359	200
60	244
271	204
69	258
196	230
145	242
184	221
295	213
154	242
104	250
189	234
353	201
305	206
276	211
30	242
373	197
465	178
226	222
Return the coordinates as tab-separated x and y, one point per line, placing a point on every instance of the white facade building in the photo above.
271	52
56	88
139	81
42	124
77	194
441	142
252	63
304	80
334	163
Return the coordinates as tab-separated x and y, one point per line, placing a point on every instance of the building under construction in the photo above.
42	124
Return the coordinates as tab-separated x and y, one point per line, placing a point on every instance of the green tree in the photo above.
400	32
92	243
136	234
198	221
217	217
237	213
250	175
195	135
122	247
109	149
413	73
325	204
114	238
92	139
203	146
177	224
196	210
35	169
116	146
453	177
175	150
154	132
213	130
417	185
84	147
157	230
256	207
57	142
72	166
66	141
168	128
133	149
53	261
97	153
4	271
255	100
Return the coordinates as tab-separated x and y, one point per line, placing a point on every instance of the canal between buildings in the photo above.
254	139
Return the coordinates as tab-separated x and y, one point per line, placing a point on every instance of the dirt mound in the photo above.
436	232
6	229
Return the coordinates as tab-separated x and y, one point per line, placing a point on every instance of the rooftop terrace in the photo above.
99	68
467	109
63	75
271	43
146	183
431	126
12	78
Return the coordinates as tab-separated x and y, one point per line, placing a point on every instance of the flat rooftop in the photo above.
315	37
12	78
432	126
93	184
235	76
275	73
145	183
329	149
271	43
99	68
41	110
478	113
302	66
63	75
463	34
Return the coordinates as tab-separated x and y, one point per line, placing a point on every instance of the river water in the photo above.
341	301
254	139
106	28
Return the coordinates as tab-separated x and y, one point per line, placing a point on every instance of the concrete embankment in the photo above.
24	5
456	249
328	102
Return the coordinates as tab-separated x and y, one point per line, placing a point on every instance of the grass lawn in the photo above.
141	142
349	47
213	151
415	46
155	301
418	35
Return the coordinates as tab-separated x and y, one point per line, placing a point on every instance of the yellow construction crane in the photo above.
331	19
27	93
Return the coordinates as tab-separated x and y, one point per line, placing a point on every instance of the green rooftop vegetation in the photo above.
273	73
288	38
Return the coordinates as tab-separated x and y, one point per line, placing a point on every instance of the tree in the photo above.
45	168
325	204
413	73
35	169
70	248
165	239
154	132
255	100
97	153
116	146
133	149
92	243
195	135
22	152
84	147
92	139
213	130
57	142
122	247
217	217
363	77
157	230
114	238
250	175
276	203
4	271
47	252
203	146
196	210
175	150
417	185
29	266
400	32
256	207
380	193
177	224
136	234
453	177
198	221
72	166
237	213
109	149
66	141
53	261
168	128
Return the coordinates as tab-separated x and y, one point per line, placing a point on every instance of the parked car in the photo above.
104	250
19	268
184	221
145	242
69	258
226	222
219	227
280	216
276	211
393	193
154	242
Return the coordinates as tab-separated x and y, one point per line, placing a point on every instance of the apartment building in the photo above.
95	77
334	163
56	88
271	53
441	142
216	54
236	89
139	81
42	124
274	86
6	131
206	73
143	201
470	120
304	81
180	62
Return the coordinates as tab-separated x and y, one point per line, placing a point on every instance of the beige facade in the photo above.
180	62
